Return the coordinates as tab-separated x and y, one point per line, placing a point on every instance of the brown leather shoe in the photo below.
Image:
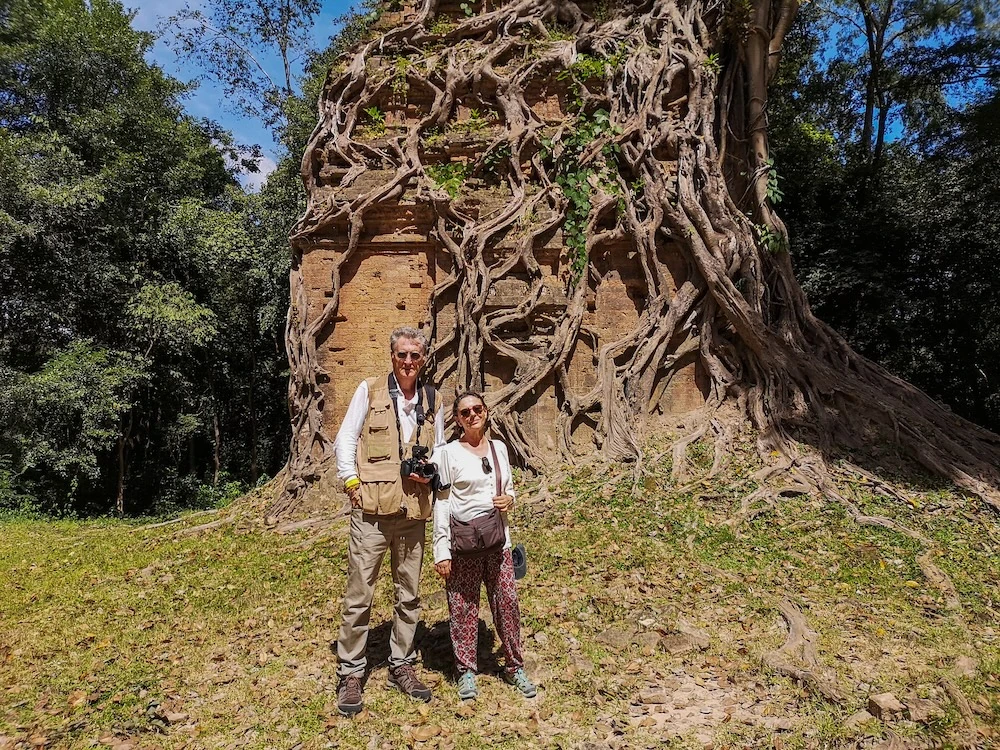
349	693
405	678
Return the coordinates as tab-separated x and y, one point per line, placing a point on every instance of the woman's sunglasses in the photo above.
477	409
487	469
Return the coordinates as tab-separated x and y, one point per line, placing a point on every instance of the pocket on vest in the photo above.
379	442
381	498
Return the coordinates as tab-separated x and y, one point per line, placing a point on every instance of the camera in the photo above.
418	464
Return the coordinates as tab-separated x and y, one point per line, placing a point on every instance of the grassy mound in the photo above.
652	617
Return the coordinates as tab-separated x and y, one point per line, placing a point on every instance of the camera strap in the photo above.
394	392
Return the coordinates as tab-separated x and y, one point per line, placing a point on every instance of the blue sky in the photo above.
207	100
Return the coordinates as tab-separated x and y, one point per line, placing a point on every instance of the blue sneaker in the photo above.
467	689
521	681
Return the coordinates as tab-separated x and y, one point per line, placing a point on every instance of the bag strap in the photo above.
429	395
496	466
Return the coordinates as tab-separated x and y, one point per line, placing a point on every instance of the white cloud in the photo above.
254	181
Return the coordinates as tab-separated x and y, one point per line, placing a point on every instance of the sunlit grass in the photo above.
109	630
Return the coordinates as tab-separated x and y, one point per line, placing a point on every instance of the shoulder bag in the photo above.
481	535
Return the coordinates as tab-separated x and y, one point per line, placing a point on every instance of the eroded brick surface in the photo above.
390	279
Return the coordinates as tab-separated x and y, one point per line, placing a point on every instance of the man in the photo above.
389	416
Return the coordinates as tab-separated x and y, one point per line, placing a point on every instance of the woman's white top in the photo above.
470	490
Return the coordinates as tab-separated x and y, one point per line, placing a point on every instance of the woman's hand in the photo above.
503	503
443	568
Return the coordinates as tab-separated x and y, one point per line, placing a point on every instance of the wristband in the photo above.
351	483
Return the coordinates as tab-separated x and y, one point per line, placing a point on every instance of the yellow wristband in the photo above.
351	483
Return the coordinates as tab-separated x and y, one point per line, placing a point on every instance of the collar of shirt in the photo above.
407	406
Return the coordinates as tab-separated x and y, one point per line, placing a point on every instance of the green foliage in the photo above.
231	38
712	63
559	33
897	256
376	122
143	293
57	422
167	315
577	189
773	240
476	123
587	69
575	178
449	176
737	20
907	62
433	138
356	26
774	192
495	157
401	67
441	26
468	9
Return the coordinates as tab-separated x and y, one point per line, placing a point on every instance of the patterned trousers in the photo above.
467	576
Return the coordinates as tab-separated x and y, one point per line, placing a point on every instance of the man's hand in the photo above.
443	568
354	493
503	503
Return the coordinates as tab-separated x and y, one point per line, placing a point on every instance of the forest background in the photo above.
143	286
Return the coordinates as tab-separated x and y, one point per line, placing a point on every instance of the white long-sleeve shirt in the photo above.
470	492
346	443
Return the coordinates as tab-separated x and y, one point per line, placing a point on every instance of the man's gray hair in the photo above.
408	332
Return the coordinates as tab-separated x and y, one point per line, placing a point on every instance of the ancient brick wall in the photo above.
390	279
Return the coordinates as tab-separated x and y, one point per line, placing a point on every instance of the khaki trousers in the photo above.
371	536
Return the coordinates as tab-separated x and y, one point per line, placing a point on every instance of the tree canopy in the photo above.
143	293
137	324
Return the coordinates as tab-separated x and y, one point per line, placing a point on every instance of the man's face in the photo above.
407	359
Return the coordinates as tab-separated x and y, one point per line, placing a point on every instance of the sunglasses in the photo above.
478	409
412	356
487	469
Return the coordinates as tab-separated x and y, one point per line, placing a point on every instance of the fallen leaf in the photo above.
424	733
78	698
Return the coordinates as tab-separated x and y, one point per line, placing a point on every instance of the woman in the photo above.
468	472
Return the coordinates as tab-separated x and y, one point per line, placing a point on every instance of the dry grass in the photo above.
141	638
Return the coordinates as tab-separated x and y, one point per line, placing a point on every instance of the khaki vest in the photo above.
383	491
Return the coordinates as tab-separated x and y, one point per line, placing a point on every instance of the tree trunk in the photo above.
680	167
216	440
252	409
123	440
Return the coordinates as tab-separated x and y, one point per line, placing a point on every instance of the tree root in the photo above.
171	522
680	172
797	657
324	533
816	473
195	530
312	524
962	704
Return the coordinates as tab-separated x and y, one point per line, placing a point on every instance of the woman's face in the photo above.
471	414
